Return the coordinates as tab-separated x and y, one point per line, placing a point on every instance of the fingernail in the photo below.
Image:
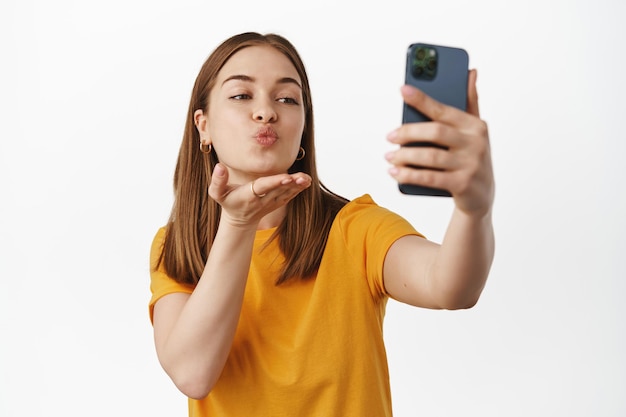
393	171
407	90
392	135
218	170
389	155
286	181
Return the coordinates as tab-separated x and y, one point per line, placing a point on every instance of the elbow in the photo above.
194	388
194	391
193	383
463	305
460	302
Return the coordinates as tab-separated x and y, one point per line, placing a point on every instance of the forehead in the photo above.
259	61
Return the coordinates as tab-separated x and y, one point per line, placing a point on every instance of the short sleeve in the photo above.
369	231
160	283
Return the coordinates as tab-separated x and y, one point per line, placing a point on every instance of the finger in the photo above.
433	109
280	184
434	132
302	178
256	194
218	188
423	157
424	177
472	94
260	187
291	189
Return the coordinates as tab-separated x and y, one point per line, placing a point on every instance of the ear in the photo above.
200	120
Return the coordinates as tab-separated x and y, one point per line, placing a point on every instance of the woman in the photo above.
269	291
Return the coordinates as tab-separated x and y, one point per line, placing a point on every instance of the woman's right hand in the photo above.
241	203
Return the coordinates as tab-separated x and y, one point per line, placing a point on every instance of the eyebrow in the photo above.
247	78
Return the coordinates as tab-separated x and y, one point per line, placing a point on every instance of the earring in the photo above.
301	154
204	148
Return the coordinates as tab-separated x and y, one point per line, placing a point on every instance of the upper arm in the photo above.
406	271
167	309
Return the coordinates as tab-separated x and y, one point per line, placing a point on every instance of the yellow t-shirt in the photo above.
309	348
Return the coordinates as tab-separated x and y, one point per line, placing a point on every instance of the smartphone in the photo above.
441	72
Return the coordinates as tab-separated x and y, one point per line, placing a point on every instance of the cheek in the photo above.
297	124
220	123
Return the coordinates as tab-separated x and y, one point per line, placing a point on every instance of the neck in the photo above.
272	219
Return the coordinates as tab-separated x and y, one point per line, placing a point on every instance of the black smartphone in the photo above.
441	72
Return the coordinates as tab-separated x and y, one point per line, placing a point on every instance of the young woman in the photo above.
268	290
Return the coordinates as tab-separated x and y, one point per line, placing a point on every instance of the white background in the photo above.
93	97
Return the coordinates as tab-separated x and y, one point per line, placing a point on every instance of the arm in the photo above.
193	333
453	274
449	276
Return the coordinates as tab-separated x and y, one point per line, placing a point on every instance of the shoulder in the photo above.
362	233
157	246
160	283
359	206
363	218
159	236
365	212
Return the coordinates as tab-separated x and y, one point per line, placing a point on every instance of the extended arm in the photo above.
449	276
453	274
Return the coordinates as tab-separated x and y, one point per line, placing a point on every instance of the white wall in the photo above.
93	97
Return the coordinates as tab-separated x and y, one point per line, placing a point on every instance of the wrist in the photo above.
233	225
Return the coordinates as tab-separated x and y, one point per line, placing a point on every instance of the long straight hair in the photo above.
195	216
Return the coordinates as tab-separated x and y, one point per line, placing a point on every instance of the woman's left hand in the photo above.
464	168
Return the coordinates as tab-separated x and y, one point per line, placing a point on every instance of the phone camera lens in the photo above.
424	61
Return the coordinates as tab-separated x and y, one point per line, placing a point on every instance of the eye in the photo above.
241	97
288	100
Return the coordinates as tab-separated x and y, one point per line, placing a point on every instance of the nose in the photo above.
265	112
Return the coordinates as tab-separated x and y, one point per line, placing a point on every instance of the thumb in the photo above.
218	188
472	93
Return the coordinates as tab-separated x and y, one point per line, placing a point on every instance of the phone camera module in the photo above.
425	62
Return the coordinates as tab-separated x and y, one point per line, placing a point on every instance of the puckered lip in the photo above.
266	135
